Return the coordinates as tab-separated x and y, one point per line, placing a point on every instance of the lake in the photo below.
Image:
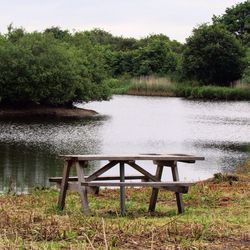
219	131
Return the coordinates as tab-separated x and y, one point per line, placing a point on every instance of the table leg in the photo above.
179	200
122	189
82	189
64	184
155	191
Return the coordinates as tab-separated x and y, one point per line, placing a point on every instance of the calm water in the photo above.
220	131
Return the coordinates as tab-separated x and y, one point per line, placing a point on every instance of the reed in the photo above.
162	86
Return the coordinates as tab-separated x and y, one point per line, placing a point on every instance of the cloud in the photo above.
133	18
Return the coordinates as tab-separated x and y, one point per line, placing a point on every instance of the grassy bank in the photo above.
217	217
165	87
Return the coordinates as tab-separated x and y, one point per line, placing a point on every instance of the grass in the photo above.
162	86
216	217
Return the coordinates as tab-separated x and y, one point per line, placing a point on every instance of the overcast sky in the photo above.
129	18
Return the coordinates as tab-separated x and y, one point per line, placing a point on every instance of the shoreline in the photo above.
190	93
183	90
151	93
51	112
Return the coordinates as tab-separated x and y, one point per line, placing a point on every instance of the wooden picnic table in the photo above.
83	183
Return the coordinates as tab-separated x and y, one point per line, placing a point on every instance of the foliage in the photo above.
14	34
237	20
57	67
212	92
39	68
152	55
155	57
99	36
166	87
246	73
213	55
58	33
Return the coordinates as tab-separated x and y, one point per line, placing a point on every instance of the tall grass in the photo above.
212	92
162	86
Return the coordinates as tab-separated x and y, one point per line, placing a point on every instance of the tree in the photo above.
246	74
41	69
237	20
58	33
155	57
212	55
14	34
99	36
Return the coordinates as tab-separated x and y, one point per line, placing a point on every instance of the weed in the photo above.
216	217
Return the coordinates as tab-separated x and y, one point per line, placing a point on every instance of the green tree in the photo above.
246	73
14	34
99	36
212	55
155	57
237	20
41	69
58	33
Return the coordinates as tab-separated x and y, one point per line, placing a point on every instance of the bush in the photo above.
38	68
212	55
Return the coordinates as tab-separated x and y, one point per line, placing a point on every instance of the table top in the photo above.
131	157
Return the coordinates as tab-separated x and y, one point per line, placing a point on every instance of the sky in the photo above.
127	18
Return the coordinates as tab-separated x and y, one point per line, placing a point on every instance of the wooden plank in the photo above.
122	189
64	184
165	157
101	171
137	184
169	163
73	186
142	171
101	178
81	189
179	199
59	179
179	189
155	191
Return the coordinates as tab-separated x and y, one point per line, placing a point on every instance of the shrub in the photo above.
212	55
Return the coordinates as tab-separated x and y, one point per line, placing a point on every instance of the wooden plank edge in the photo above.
143	184
75	178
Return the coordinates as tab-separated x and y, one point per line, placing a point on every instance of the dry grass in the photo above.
152	80
216	217
163	86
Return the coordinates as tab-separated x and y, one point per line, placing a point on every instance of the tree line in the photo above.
56	67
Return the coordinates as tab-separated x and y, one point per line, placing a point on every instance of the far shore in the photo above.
57	112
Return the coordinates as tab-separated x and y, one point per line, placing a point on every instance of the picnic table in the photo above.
83	184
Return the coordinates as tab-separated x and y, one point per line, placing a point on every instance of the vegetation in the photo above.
162	86
213	55
57	67
37	68
236	20
216	217
246	74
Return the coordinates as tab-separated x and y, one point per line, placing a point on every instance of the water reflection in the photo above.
29	149
128	124
24	166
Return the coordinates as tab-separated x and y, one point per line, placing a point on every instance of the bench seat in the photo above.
177	186
72	185
100	178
